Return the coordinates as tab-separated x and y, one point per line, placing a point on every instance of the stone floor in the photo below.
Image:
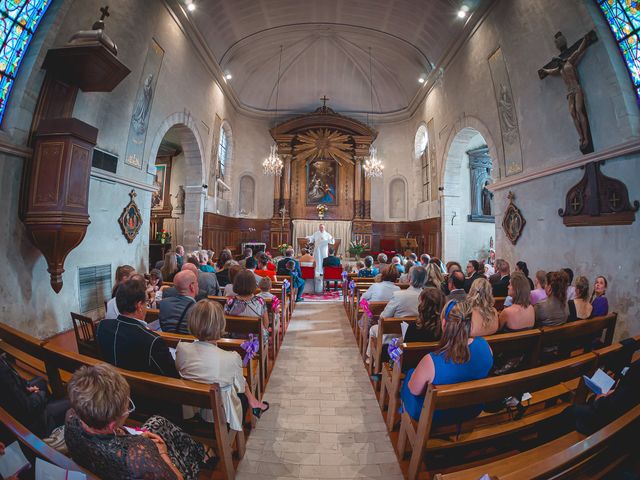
324	420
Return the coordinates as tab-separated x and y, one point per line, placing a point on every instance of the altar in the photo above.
339	229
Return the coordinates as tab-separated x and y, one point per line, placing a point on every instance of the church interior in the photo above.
322	239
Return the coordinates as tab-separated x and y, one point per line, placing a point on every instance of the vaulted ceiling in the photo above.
325	49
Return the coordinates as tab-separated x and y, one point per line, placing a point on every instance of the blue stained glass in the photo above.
18	22
623	17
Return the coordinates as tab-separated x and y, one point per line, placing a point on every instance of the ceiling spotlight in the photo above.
228	76
421	80
462	13
191	6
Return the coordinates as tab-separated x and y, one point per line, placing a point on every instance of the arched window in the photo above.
623	17
421	144
20	19
397	198
223	151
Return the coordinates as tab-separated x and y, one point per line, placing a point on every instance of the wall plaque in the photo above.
131	219
513	222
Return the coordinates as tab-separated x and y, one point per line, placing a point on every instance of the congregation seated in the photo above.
434	277
571	290
473	273
397	262
169	267
97	440
428	325
383	291
173	310
553	310
381	260
369	271
202	361
452	267
126	342
524	269
203	257
207	282
331	260
228	289
455	285
579	307
484	317
414	258
599	300
425	258
123	272
502	270
248	253
458	358
246	303
520	315
262	270
539	293
265	288
222	267
408	265
403	303
153	286
291	267
306	259
29	401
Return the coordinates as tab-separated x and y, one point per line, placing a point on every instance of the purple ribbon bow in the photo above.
365	307
352	286
394	350
286	284
251	346
344	275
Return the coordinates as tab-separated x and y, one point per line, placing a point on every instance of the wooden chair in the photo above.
167	391
571	456
424	439
35	447
85	331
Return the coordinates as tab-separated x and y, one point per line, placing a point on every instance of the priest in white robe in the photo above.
321	240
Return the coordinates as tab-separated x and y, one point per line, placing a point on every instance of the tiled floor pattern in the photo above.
324	420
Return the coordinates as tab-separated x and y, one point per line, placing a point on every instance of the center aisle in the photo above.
324	420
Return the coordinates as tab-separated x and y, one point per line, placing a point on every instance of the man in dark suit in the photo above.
173	310
126	342
502	268
456	286
332	261
207	283
295	272
473	273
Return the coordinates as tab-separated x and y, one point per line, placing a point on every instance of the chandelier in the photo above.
272	165
373	167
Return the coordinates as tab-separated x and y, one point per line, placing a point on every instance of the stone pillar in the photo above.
194	199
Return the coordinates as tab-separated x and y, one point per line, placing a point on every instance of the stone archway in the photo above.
195	173
457	240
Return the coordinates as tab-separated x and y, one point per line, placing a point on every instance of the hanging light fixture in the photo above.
373	166
273	165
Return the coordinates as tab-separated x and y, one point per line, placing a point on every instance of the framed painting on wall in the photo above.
322	182
161	198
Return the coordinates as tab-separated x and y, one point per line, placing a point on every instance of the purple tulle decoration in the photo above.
251	346
352	286
365	307
394	350
286	284
345	275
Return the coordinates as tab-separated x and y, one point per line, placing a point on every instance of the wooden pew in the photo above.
166	390
423	440
35	447
246	326
363	337
571	456
386	326
502	343
581	331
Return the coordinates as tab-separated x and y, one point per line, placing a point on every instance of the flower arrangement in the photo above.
357	247
322	210
163	236
282	248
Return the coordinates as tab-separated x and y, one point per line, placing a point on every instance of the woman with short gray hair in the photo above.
94	433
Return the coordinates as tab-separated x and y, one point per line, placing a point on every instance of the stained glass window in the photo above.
624	20
18	21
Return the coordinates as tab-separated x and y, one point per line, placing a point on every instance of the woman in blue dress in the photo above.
459	358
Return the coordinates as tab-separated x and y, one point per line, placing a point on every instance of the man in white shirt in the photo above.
321	240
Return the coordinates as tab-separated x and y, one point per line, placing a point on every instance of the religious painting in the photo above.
322	181
161	196
157	197
513	222
131	219
142	106
507	114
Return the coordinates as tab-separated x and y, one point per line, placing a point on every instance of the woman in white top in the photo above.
202	361
383	291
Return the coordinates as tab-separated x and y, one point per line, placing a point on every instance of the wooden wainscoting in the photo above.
220	231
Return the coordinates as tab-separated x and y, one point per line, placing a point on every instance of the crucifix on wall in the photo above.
566	66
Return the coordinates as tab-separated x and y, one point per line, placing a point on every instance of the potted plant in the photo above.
357	248
162	236
282	248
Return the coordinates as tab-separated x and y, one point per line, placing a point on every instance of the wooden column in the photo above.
357	189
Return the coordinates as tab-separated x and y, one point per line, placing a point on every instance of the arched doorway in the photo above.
179	143
468	228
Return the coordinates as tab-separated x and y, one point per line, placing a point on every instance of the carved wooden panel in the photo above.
78	170
48	174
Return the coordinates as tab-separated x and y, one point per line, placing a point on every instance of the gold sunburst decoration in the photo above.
323	143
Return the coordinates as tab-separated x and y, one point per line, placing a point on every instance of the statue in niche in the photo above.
487	196
508	118
565	65
143	105
180	199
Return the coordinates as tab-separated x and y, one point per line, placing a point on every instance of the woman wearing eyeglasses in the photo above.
459	358
97	440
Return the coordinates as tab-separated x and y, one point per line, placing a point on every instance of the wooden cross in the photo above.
105	12
613	200
575	203
324	101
